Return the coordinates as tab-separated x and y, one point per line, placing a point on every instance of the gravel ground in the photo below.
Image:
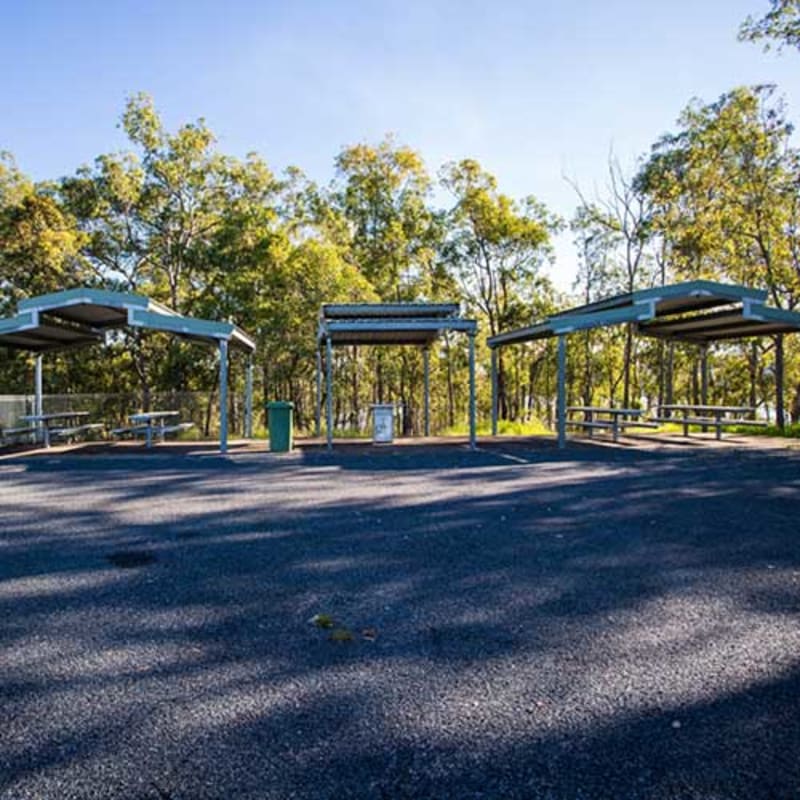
510	623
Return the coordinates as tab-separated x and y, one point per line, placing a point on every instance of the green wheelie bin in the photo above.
281	433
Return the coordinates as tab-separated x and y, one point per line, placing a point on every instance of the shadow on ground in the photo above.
605	623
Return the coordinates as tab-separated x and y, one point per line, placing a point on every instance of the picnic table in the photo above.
608	418
717	417
154	422
58	424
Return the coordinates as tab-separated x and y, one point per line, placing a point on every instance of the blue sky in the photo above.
533	90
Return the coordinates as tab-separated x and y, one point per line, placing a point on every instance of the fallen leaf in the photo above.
341	635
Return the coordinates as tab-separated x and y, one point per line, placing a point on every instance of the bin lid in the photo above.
280	404
376	406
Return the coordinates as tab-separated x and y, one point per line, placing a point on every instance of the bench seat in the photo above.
584	423
76	430
628	423
11	433
709	421
156	430
177	428
129	430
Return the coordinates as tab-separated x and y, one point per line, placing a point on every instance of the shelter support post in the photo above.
704	375
38	387
223	396
248	399
472	437
704	380
780	411
329	390
426	367
494	391
318	408
561	406
38	394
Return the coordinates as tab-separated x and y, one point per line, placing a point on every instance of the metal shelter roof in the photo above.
390	323
696	311
77	317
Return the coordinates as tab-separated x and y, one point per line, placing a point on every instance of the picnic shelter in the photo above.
698	312
82	317
415	324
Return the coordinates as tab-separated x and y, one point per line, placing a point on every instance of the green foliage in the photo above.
39	243
226	238
382	192
780	24
496	247
791	431
505	427
341	635
725	189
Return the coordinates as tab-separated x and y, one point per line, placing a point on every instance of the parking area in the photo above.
415	622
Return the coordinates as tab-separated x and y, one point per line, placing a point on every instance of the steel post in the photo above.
223	396
561	409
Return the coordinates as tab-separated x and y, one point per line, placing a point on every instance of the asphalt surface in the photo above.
512	623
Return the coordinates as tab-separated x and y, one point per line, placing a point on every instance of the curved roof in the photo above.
78	317
695	311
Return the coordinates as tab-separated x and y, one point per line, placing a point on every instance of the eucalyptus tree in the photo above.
726	191
599	275
39	252
780	24
624	212
496	248
382	194
39	241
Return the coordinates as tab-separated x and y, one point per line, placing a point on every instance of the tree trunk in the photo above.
753	369
780	419
451	400
626	381
587	369
212	396
142	367
796	405
355	412
379	378
670	392
502	402
704	375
